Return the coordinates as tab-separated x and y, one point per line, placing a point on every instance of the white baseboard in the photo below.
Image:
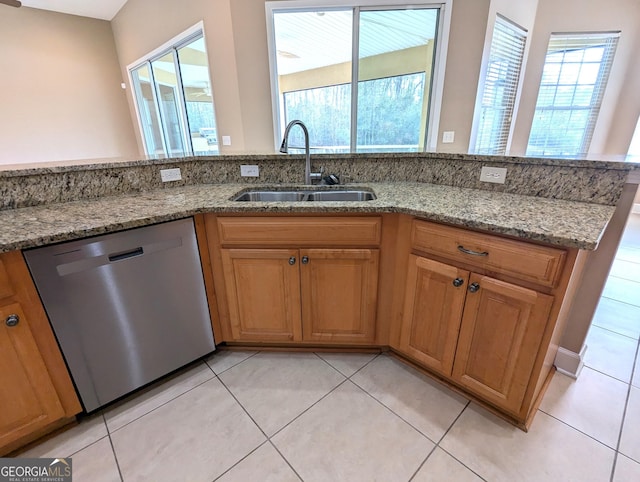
570	363
636	208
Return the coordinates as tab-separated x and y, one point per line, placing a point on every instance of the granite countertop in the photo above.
556	222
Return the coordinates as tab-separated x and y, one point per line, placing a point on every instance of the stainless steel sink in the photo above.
342	196
305	195
271	196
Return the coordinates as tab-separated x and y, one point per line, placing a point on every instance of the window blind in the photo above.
500	88
574	78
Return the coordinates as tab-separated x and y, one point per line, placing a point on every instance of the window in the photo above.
493	117
174	102
574	78
360	77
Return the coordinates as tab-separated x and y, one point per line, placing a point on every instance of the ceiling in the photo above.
103	9
312	39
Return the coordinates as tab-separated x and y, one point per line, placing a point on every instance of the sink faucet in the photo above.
284	148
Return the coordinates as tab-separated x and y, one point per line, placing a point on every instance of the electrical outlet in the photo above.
249	171
493	174
447	137
168	175
226	140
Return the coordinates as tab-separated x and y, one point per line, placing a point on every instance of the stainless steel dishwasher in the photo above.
126	307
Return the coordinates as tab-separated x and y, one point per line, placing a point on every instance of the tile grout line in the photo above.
613	331
296	417
624	414
394	413
578	430
622	301
436	444
611	376
243	409
269	438
285	459
624	279
113	449
433	449
380	403
348	377
232	366
585	433
449	453
161	405
240	461
311	406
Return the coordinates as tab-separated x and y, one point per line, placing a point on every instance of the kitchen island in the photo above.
529	245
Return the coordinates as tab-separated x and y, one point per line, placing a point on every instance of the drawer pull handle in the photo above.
473	287
12	320
305	259
292	260
471	252
458	282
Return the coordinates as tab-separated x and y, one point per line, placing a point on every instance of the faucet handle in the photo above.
317	175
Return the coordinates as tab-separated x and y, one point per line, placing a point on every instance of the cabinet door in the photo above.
434	301
28	398
263	293
339	294
502	327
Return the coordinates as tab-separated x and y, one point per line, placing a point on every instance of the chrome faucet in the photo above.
284	148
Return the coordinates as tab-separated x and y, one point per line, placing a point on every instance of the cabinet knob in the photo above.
305	259
292	260
473	287
458	282
12	320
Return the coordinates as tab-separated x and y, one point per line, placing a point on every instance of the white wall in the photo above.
60	94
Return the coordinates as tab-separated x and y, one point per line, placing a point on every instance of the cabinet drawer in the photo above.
529	262
300	231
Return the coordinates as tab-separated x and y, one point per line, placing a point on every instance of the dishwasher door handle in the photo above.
126	254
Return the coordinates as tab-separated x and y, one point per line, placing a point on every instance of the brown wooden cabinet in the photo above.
432	313
481	332
339	294
37	394
481	312
500	336
295	295
263	294
29	401
296	279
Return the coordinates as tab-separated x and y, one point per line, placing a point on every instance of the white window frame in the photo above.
594	110
442	43
482	82
181	38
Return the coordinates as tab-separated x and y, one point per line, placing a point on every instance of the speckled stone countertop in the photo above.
556	222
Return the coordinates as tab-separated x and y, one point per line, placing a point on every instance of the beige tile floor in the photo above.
264	416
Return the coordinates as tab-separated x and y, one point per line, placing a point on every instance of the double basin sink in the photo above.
265	195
